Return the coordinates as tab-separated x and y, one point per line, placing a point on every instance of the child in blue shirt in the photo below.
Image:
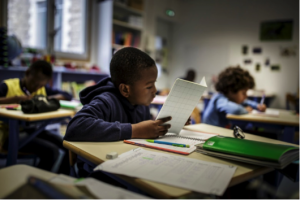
231	98
117	107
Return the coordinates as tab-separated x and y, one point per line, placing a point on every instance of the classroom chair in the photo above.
196	116
72	161
21	157
292	101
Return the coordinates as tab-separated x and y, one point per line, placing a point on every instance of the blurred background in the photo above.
79	38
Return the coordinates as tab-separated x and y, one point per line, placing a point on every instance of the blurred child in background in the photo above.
46	145
231	97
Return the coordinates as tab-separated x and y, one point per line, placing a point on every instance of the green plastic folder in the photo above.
69	104
254	152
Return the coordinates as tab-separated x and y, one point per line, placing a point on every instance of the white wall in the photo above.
209	35
155	18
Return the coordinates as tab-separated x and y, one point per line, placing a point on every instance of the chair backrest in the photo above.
292	101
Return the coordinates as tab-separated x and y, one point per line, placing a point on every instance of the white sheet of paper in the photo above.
178	139
62	179
188	173
98	188
180	103
268	112
106	191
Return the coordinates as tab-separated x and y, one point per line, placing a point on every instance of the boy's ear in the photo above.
124	89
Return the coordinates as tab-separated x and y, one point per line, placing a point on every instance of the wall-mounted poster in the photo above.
275	67
276	30
245	49
257	67
257	50
288	51
267	62
247	61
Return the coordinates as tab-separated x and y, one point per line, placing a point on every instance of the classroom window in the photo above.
28	19
69	25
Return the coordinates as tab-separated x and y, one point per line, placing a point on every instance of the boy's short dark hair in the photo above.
41	66
234	79
126	65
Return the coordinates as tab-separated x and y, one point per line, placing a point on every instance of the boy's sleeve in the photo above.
229	107
3	89
50	91
91	124
248	102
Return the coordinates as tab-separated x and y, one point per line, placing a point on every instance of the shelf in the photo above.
60	74
118	46
56	69
126	25
127	8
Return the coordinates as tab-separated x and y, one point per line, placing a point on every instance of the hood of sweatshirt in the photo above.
103	86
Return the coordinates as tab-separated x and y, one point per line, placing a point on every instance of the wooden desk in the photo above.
18	114
13	117
14	176
286	121
95	152
159	100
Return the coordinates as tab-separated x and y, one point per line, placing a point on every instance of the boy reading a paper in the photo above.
116	108
231	98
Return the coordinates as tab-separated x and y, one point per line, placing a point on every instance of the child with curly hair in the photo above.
231	97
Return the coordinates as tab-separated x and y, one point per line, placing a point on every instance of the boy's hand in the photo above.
150	129
261	107
249	109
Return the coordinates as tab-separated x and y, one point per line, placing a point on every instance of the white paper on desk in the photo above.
188	173
98	188
180	103
106	191
62	179
268	112
185	137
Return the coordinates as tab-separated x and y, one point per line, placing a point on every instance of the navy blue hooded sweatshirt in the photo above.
106	115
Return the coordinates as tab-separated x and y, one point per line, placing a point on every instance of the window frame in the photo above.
50	28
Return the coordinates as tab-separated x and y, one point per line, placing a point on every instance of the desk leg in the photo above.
72	162
288	134
13	142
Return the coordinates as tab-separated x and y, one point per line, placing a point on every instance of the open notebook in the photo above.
180	103
185	137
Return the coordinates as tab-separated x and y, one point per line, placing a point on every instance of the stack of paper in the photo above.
97	188
188	173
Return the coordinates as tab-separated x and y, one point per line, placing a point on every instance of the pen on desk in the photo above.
169	143
262	99
26	91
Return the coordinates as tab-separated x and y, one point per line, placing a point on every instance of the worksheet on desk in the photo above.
97	188
188	173
180	103
268	112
